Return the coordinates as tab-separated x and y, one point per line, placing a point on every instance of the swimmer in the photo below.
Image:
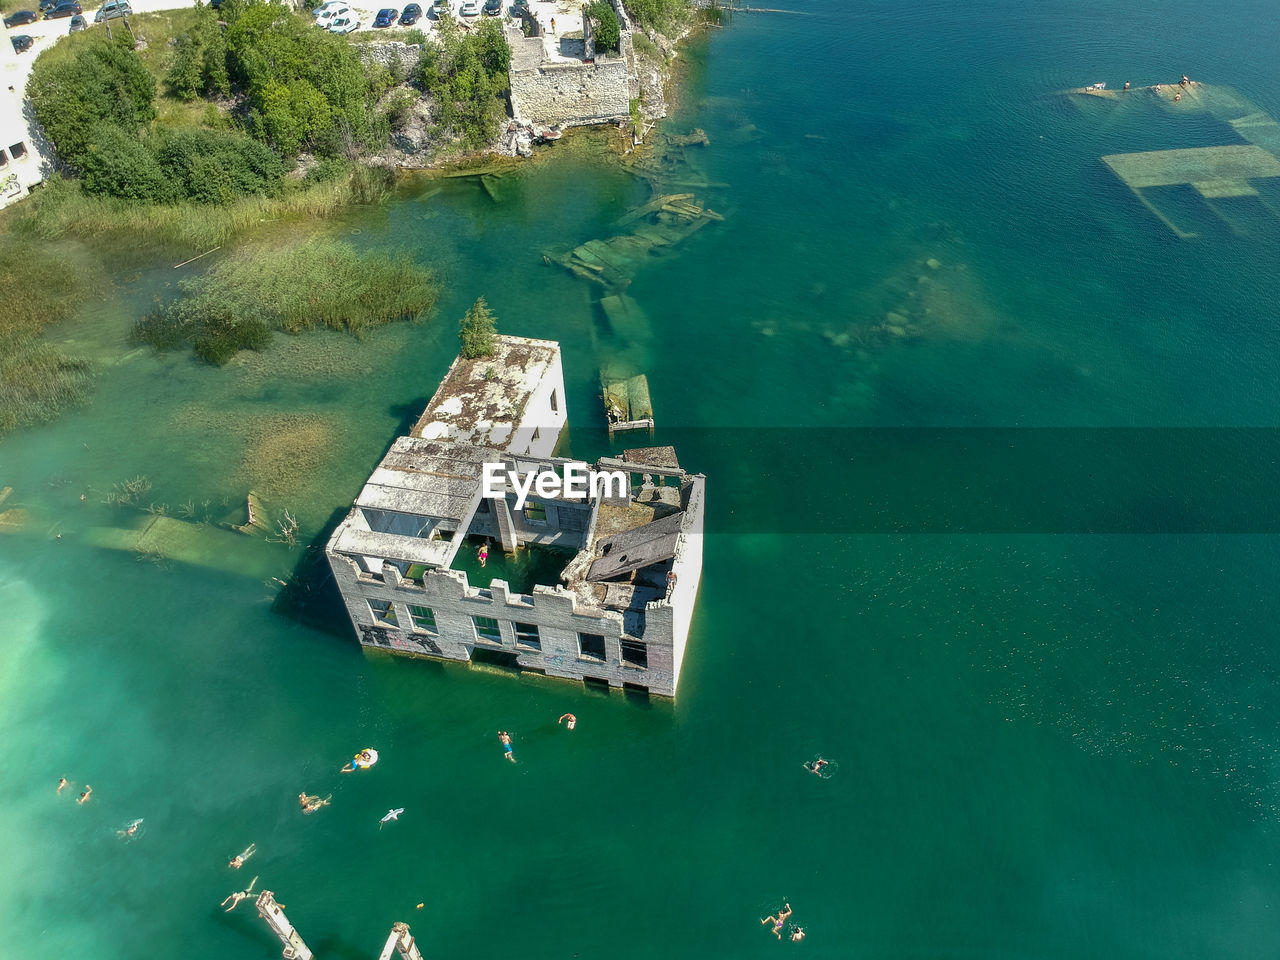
236	862
1126	86
505	739
62	782
303	799
1186	81
85	796
797	933
364	758
815	766
316	803
236	897
779	920
573	721
130	831
1177	97
82	498
483	553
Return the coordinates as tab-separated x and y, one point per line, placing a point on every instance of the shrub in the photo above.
105	82
115	163
211	166
608	32
665	16
477	331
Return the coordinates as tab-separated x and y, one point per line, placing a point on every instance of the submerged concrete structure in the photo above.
618	610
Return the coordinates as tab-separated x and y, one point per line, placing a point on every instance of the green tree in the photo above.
185	79
466	76
103	82
305	88
608	32
478	331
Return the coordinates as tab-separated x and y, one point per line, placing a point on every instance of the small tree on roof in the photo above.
478	331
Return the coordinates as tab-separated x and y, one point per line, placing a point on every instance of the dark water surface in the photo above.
1049	744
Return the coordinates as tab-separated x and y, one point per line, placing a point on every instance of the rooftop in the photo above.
481	401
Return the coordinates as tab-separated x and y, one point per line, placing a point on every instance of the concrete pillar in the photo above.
270	911
400	941
506	529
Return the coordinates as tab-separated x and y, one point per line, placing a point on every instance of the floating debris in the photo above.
626	402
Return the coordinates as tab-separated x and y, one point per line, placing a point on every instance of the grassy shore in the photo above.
59	210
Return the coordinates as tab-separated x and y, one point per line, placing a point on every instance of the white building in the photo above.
617	612
22	165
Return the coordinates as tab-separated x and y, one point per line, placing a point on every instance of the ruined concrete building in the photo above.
598	587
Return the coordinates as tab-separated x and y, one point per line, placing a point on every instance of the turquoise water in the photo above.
1050	744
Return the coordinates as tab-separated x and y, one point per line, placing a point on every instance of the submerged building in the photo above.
596	585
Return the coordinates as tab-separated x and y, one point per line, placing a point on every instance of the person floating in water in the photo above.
363	760
797	933
85	796
483	553
779	920
315	803
62	782
131	831
236	862
573	721
504	738
815	766
239	895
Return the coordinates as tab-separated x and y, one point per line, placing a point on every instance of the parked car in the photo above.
345	24
440	8
469	10
113	10
410	16
492	8
21	18
21	43
520	8
68	8
327	7
386	17
78	23
331	13
48	4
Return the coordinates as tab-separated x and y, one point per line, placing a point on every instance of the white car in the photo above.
469	10
346	23
330	12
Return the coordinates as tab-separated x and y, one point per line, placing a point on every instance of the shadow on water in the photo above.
407	415
310	596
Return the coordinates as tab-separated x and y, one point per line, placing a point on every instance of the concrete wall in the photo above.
554	611
570	94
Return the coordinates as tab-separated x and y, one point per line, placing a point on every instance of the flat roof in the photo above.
429	478
481	401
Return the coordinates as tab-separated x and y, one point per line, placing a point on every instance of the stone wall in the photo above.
571	94
393	55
